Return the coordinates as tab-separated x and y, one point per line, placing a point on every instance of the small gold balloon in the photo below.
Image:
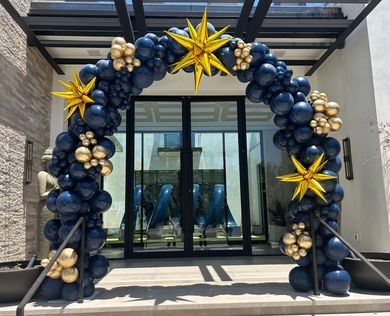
45	262
67	258
129	60
316	92
288	250
313	123
245	52
83	154
294	226
296	256
319	105
249	59
237	52
302	252
116	51
93	141
119	63
82	136
238	61
118	40
305	242
332	109
289	238
294	248
94	162
326	129
298	232
235	67
86	142
90	134
106	167
318	116
323	96
306	233
136	62
130	68
55	274
129	49
87	165
318	130
322	122
249	45
54	266
51	254
240	44
99	152
59	267
70	275
244	66
301	226
335	123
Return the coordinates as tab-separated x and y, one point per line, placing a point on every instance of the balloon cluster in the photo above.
64	267
297	241
122	54
91	154
325	112
243	55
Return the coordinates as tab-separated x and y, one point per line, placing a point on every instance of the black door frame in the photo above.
186	179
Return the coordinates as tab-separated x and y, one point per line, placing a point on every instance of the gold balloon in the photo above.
129	60
235	67
289	238
69	275
90	134
238	61
323	96
54	274
302	252
82	136
296	256
59	267
86	142
297	232
240	44
93	141
245	52
322	122
94	162
129	49
118	40
332	109
249	59
305	242
54	266
313	123
136	62
106	167
318	116
294	226
319	105
83	154
87	165
294	248
130	68
318	130
99	152
301	225
288	250
51	254
314	96
326	129
249	45
67	258
237	52
118	63
244	66
116	51
44	262
335	123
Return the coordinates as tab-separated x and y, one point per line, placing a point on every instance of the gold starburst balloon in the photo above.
76	95
200	48
308	178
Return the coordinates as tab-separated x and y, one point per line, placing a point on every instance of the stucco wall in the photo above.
25	105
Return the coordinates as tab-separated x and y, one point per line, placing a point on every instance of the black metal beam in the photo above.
258	19
30	35
244	17
124	19
340	40
139	13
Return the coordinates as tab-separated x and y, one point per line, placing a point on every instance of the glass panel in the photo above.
157	209
268	197
216	178
113	219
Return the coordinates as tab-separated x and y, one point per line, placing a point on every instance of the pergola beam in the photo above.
340	40
124	19
31	37
244	17
258	19
139	13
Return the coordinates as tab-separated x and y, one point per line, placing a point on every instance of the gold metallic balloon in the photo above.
82	136
90	134
314	96
45	262
322	121
288	250
313	123
83	154
335	123
235	67
319	105
136	62
302	252
318	130
130	68
294	248
94	162
240	44
294	226
323	96
238	61
116	51
67	258
99	152
289	238
86	142
318	116
249	45
332	109
326	129
305	242
118	40
237	52
298	232
93	141
106	167
296	256
55	274
70	275
51	254
59	267
244	65
87	165
249	59
245	52
301	225
129	60
118	63
129	49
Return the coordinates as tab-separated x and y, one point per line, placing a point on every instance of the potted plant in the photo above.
277	223
17	278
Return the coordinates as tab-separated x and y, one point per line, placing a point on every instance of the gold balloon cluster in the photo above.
92	154
325	112
297	241
243	55
64	266
122	54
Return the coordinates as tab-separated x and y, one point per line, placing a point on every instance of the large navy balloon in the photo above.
266	74
335	249
99	97
66	182
303	134
51	229
303	85
77	171
337	281
331	146
301	113
87	72
334	164
174	46
64	231
333	211
51	289
101	201
96	117
329	185
258	52
70	292
86	189
145	48
282	103
66	142
254	92
95	239
106	70
68	202
98	266
143	77
51	202
338	193
226	56
300	279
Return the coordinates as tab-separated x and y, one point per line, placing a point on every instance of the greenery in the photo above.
277	214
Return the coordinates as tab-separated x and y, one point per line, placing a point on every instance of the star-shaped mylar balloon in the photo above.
200	48
308	178
76	95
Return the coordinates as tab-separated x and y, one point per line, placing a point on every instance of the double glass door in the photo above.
187	183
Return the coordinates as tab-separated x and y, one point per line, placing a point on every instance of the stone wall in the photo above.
25	103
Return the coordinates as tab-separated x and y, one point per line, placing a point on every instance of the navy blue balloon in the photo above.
70	292
300	279
89	289
210	28
337	282
54	168
303	134
109	145
334	164
106	70
338	193
258	52
280	140
331	146
66	182
321	202
333	211
95	240
104	85
51	229
86	189
292	86
153	37
247	75
87	72
281	120
301	113
226	56
266	74
77	171
303	85
51	202
159	72
174	46
311	153
282	103
85	207
99	97
160	51
294	149
96	116
271	59
163	41
303	261
254	92
325	231
293	208
319	240
65	229
66	142
101	201
142	77
329	185
51	289
321	257
98	266
307	204
144	48
299	97
68	202
335	249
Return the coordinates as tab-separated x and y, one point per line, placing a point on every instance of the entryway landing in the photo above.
205	286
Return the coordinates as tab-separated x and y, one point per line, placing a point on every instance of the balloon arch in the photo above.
82	153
